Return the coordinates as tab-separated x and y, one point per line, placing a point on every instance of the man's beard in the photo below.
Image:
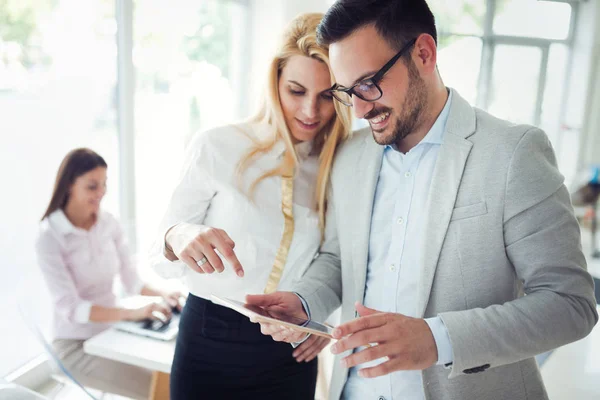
410	113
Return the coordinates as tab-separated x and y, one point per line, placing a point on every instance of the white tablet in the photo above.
262	315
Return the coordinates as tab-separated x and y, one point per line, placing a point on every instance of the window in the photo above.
533	19
509	57
57	92
187	62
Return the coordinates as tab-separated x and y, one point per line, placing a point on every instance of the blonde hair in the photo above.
299	38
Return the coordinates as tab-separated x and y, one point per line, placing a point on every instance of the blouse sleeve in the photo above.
189	202
61	285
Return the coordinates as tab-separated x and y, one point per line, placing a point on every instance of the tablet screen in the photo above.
248	310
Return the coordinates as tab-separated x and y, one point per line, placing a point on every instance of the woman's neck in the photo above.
80	219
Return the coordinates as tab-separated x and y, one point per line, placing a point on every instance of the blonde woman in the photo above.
248	217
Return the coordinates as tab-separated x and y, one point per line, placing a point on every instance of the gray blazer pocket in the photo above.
473	210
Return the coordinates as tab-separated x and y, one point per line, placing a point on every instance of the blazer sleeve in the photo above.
321	285
543	242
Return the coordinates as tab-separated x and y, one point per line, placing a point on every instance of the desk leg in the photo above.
159	389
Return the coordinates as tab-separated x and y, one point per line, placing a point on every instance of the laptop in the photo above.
155	329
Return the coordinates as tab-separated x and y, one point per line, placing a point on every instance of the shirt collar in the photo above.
59	221
303	149
436	133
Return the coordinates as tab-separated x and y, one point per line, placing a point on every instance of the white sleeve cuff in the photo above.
82	312
442	340
307	311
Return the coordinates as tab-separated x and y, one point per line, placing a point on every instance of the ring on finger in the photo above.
202	261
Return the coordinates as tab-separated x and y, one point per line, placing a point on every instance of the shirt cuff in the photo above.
304	304
82	312
442	341
307	311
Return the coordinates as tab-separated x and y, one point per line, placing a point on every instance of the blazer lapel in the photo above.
366	176
447	176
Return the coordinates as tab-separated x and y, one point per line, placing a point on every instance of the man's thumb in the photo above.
364	311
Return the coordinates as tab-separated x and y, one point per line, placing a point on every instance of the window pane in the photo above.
459	16
532	18
184	63
554	89
515	77
564	139
57	86
459	59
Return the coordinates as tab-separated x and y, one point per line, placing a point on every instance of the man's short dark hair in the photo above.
397	21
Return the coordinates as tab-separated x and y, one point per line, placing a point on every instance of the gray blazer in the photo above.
502	264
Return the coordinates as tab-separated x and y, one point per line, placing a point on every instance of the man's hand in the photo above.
279	302
310	348
406	342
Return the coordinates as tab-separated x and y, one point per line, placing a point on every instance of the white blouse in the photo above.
208	194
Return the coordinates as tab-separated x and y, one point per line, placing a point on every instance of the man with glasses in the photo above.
449	232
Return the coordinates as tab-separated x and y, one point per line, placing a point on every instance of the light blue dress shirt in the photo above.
395	257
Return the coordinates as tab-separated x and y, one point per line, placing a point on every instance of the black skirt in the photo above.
220	354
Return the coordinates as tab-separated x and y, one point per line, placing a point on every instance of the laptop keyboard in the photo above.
156	325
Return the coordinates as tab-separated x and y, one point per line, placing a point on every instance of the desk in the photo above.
152	354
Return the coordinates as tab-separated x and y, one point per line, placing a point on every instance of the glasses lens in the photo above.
367	90
343	97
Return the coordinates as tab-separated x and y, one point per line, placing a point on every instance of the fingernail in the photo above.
240	273
362	374
334	349
337	332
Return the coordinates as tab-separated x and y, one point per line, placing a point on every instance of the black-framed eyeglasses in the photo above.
368	89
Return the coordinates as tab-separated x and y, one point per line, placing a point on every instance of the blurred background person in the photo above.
81	249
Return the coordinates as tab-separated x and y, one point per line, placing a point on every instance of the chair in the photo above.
12	391
30	308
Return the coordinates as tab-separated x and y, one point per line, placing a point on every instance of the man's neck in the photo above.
436	102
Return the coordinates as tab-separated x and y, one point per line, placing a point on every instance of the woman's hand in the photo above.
311	347
174	299
195	245
155	311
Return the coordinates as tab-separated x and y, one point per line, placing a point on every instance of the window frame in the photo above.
126	103
490	41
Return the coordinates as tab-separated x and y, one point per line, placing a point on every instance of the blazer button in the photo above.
481	368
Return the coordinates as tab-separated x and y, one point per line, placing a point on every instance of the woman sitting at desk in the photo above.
81	249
